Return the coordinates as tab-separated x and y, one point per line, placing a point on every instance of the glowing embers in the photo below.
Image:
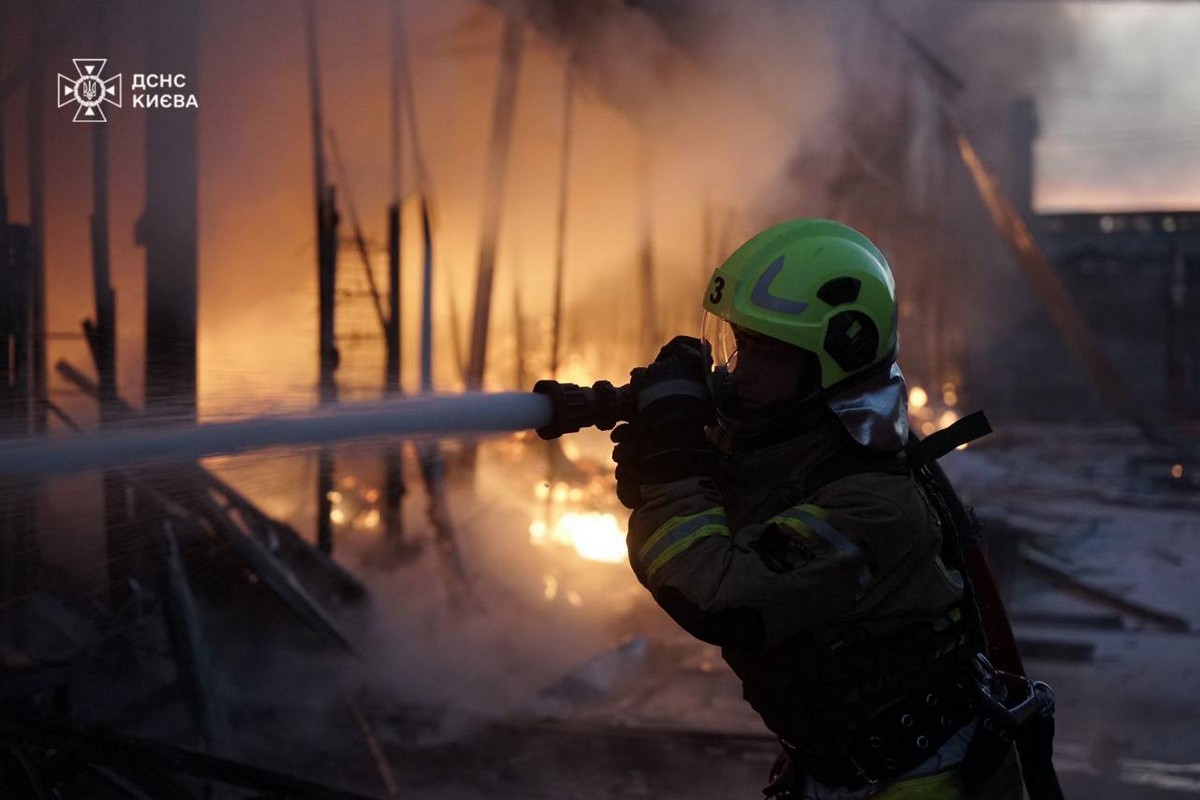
575	507
929	414
551	592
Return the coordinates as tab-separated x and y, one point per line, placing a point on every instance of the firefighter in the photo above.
774	516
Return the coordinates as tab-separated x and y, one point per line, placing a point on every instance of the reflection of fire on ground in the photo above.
573	511
576	526
355	505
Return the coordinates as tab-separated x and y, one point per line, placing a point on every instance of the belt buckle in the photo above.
1039	702
1037	696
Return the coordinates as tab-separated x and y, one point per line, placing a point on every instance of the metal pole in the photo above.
326	249
393	454
35	108
19	556
314	94
393	460
8	400
395	112
169	227
426	299
395	108
429	452
519	331
501	136
100	332
649	319
326	273
360	239
394	355
564	183
553	448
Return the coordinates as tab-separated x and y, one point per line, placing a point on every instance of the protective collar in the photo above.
875	411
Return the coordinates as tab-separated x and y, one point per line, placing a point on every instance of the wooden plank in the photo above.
193	660
1044	567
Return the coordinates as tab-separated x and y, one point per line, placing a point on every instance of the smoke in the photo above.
700	121
1120	120
494	648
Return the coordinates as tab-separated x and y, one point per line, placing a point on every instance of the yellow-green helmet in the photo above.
816	284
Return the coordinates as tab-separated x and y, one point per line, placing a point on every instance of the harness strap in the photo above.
893	741
878	747
935	445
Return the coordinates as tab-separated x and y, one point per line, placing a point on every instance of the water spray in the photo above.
553	409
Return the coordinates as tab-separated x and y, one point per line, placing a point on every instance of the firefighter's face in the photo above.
765	370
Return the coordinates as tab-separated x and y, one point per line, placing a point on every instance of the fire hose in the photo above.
553	409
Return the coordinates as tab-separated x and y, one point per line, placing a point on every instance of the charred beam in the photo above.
497	166
168	228
645	265
193	661
560	242
35	96
1049	286
1037	563
327	221
393	459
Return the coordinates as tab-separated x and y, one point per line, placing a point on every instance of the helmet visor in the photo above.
718	336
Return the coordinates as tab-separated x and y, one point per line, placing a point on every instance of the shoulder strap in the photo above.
935	445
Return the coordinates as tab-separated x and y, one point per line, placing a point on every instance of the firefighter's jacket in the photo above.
787	582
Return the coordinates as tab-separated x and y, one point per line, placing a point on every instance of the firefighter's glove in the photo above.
628	454
666	440
680	370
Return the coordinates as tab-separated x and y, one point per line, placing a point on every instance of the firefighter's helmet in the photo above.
813	283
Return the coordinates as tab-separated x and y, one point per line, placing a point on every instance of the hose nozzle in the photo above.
601	405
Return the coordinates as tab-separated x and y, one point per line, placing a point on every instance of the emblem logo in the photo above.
761	295
89	90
